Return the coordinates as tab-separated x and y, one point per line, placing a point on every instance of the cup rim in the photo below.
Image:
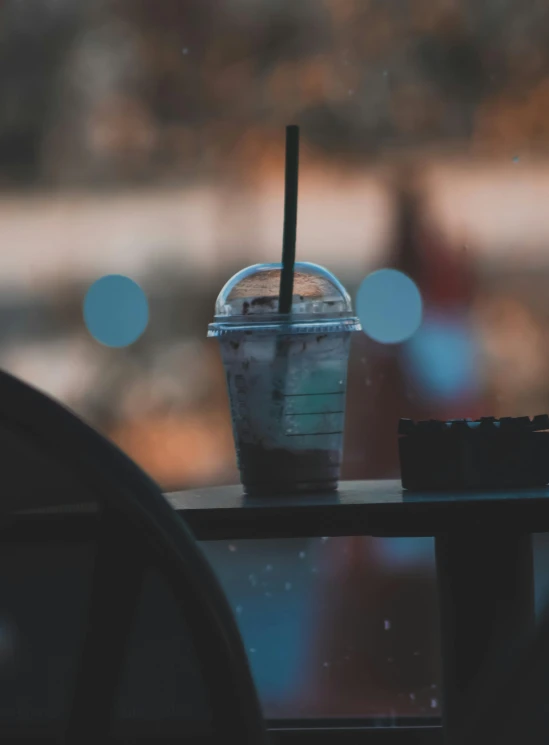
283	324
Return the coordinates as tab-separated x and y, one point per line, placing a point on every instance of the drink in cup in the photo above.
286	376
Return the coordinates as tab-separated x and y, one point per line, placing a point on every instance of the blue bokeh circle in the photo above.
116	310
389	306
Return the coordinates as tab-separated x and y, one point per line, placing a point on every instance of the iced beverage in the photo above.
286	377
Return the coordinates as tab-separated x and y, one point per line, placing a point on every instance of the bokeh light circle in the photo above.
389	306
443	357
116	310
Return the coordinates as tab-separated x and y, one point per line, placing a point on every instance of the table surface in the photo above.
377	508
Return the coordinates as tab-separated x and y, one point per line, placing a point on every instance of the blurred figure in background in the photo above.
375	650
435	374
432	375
441	360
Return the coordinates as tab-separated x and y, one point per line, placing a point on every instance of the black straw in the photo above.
290	219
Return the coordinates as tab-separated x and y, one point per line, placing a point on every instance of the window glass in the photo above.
145	139
337	627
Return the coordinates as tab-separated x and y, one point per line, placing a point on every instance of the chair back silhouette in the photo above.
113	626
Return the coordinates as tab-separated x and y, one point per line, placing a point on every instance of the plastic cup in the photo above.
286	377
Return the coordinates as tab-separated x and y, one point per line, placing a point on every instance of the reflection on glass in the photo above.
336	626
146	138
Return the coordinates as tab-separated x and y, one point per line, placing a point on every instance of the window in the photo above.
145	138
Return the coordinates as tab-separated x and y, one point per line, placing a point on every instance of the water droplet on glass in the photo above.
302	554
434	703
516	159
416	654
390	660
268	594
412	697
185	50
340	382
324	539
252	650
239	609
314	570
350	92
386	625
326	664
347	657
269	568
232	547
288	586
385	73
253	579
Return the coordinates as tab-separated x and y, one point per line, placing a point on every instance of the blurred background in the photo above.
146	138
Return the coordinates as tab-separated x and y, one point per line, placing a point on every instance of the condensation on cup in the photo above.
286	377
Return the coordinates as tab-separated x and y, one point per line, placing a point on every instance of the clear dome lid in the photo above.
250	297
255	290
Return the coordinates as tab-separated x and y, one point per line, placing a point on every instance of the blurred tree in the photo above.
34	40
138	90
